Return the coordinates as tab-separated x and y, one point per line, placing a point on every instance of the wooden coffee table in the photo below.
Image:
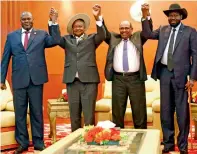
150	143
56	109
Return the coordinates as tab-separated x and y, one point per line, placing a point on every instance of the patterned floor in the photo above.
64	129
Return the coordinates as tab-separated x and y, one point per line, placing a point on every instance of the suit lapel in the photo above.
73	40
136	40
19	37
179	36
166	36
32	36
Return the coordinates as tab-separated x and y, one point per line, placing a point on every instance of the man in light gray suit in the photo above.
80	70
176	58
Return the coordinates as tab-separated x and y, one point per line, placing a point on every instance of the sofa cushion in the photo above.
7	119
128	114
151	84
107	89
10	107
5	96
151	96
156	105
103	105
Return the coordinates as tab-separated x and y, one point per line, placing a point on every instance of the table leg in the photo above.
48	114
53	126
195	125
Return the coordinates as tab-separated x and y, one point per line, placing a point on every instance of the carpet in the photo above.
62	131
65	129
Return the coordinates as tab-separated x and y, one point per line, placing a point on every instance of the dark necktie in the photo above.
26	40
125	57
170	51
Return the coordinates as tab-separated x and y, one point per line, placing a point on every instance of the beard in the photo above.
174	24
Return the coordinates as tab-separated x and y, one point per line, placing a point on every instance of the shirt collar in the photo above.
79	36
124	39
177	27
23	30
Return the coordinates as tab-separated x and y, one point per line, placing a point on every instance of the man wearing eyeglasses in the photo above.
126	69
176	58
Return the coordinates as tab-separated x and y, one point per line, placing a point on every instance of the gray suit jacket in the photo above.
80	57
113	39
184	55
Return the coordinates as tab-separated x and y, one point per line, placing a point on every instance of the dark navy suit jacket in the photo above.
29	63
184	55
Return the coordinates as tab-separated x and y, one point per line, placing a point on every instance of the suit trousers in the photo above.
132	86
82	98
173	99
34	95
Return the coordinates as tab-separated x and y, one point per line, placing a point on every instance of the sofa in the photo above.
7	115
103	106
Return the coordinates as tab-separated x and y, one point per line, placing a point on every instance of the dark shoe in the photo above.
183	151
20	149
165	151
39	148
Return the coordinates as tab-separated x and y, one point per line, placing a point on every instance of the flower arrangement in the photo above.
63	97
102	136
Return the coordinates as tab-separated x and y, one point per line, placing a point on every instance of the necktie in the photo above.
26	40
125	57
170	51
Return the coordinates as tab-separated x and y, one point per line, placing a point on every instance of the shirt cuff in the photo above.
51	23
148	17
100	22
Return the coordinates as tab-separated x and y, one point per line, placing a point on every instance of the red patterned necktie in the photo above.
26	40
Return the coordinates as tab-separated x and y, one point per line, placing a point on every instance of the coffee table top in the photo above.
150	143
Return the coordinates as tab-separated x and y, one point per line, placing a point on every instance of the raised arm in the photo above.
54	29
147	28
101	34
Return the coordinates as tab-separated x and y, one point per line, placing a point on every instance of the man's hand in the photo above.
189	84
96	10
145	10
53	15
3	86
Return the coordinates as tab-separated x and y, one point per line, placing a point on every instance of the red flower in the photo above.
65	96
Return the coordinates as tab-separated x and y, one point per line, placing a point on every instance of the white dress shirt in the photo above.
164	59
133	57
23	35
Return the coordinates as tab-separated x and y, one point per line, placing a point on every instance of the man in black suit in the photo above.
126	69
80	71
27	46
176	58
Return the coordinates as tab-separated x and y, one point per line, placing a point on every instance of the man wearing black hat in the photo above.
176	58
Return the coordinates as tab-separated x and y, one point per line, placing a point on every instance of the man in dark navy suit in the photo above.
29	72
176	58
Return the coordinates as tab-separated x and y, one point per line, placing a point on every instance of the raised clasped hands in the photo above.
53	15
145	10
96	10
